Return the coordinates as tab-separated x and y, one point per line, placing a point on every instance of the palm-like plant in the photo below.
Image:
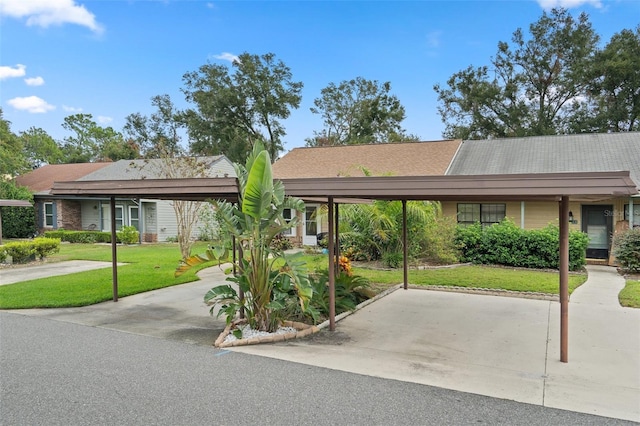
254	222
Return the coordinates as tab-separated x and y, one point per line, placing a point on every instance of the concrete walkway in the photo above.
31	272
496	346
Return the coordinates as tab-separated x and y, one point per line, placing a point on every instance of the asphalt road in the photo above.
59	373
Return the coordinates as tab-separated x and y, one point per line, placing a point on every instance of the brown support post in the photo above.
114	250
564	279
337	239
332	270
404	244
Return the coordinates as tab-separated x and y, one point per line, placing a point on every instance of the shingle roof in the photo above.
550	154
396	159
217	166
41	179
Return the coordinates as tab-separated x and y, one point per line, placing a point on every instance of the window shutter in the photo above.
40	214
54	210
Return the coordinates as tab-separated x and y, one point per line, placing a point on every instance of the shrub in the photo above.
127	235
23	251
281	243
17	222
506	244
20	251
46	246
626	249
392	259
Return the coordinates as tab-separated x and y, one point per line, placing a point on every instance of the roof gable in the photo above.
595	152
395	159
216	166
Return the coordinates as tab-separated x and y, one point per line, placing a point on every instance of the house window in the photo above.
636	213
289	214
486	214
106	217
134	217
48	214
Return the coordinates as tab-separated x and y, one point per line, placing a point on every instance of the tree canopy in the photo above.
91	142
555	81
239	105
358	111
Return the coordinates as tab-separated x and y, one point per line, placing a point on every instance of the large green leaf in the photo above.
258	191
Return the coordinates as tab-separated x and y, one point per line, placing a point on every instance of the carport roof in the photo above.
543	186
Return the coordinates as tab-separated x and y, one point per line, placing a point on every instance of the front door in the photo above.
597	222
310	228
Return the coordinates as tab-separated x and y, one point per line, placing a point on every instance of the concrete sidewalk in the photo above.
34	272
496	346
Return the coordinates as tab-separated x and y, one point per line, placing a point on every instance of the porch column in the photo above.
114	250
564	278
521	214
630	212
404	244
332	270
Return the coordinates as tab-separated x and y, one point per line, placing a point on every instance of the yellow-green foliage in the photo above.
22	251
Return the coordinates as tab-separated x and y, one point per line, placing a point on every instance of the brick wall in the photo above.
69	215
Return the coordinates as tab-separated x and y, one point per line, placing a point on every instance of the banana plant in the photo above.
254	221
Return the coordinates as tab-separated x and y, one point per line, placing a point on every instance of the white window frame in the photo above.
129	219
291	232
46	215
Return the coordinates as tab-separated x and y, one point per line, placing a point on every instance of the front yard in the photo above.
152	266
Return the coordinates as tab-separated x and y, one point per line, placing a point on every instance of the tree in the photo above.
40	148
157	135
613	87
92	143
531	89
17	222
234	110
254	221
12	159
358	111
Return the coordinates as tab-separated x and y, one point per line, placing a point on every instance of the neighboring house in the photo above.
155	219
544	154
398	159
551	154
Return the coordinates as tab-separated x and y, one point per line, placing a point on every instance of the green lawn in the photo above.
630	295
148	267
151	266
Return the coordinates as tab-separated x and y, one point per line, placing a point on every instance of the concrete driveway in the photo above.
496	346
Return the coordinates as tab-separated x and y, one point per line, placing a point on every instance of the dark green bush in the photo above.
392	259
128	235
626	249
506	244
17	222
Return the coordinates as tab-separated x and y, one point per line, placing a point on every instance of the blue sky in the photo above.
109	57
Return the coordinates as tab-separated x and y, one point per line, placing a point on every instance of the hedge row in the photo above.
505	243
127	235
23	251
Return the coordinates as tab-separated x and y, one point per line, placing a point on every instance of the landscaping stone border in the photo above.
302	331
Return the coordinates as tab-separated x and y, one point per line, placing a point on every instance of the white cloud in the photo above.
568	4
9	72
34	81
433	39
32	104
104	120
44	13
226	56
66	108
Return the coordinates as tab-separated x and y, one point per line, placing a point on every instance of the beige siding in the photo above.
538	214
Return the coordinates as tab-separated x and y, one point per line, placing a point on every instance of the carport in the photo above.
559	187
